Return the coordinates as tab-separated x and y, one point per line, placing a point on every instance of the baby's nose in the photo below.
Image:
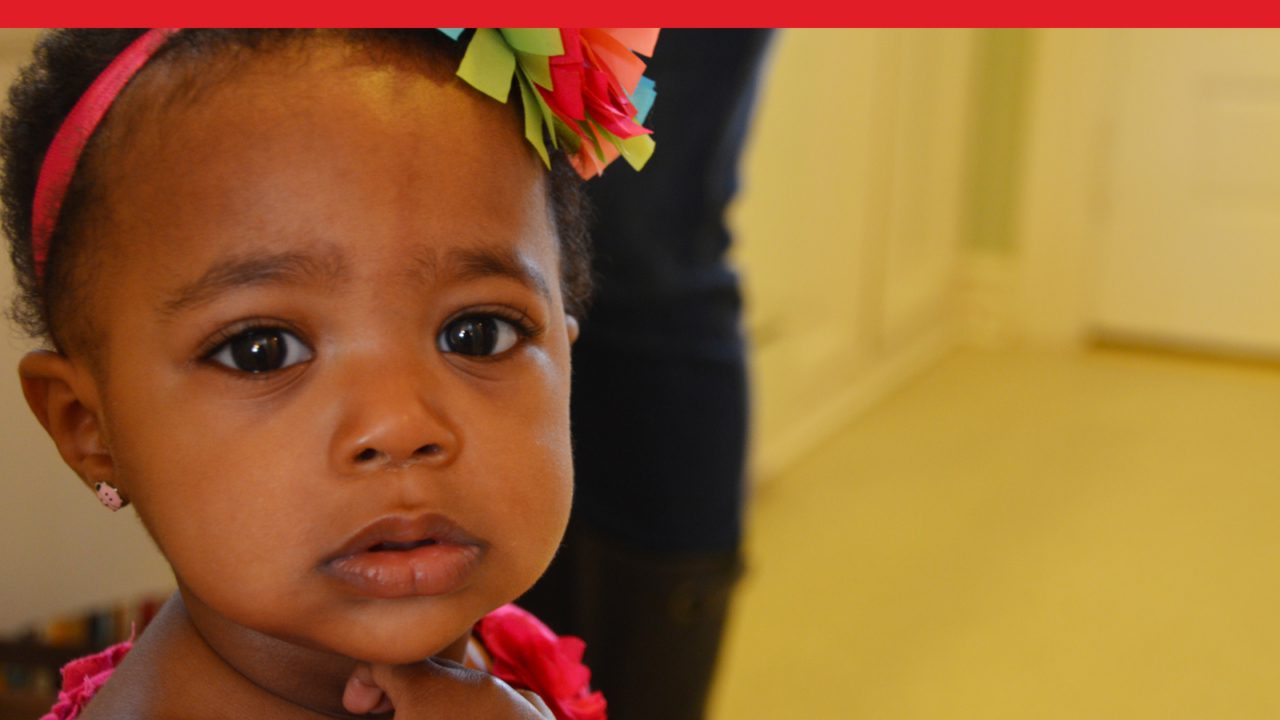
392	419
375	456
381	440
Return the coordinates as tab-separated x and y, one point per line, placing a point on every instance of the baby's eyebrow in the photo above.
474	263
259	268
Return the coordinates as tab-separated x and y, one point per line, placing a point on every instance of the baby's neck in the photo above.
193	660
301	676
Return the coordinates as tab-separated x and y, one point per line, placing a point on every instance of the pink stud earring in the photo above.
110	496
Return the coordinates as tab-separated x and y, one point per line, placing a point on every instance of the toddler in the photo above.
307	298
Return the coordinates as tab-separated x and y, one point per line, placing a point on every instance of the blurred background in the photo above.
1014	310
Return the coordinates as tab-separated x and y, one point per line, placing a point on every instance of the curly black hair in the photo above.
67	61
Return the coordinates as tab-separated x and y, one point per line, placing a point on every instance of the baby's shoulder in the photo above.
123	682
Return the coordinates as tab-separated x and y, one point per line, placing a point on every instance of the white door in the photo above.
1190	248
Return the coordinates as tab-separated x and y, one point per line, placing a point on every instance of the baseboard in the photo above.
881	378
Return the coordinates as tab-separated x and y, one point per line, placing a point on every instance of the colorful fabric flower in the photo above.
528	655
581	87
82	678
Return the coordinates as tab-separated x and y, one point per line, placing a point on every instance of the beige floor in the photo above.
1025	537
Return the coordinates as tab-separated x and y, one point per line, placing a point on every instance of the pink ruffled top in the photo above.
521	650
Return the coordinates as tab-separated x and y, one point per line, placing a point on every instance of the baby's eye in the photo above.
478	335
261	350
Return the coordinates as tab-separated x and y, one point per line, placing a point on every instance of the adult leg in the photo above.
660	397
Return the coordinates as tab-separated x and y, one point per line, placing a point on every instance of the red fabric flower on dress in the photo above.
528	655
82	678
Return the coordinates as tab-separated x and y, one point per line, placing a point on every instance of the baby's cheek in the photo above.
554	501
535	510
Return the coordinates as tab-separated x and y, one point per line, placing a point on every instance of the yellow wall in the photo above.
848	225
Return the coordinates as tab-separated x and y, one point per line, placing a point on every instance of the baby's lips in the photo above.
401	556
405	529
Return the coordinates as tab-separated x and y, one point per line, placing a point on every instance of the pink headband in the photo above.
64	152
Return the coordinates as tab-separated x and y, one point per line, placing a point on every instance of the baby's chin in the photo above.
404	653
399	637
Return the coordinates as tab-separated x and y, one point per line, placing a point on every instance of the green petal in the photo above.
548	117
567	136
591	138
488	64
536	67
533	120
637	150
539	41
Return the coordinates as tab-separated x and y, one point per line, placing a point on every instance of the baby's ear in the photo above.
64	398
571	326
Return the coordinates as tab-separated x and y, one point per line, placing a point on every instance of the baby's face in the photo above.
335	355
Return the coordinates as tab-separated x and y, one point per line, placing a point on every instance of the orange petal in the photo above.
616	58
641	40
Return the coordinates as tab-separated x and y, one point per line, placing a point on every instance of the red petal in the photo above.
527	654
565	99
571	39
